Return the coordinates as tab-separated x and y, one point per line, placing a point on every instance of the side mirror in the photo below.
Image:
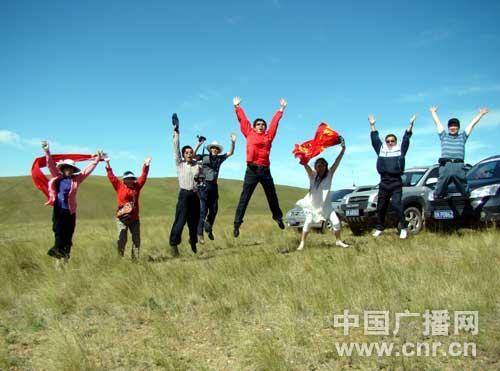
431	181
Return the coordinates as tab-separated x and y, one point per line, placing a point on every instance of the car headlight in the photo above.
430	196
345	199
373	198
489	190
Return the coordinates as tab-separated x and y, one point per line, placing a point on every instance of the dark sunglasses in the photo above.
390	141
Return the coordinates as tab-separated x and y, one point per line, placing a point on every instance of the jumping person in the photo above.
390	166
63	189
127	196
451	162
209	191
188	203
316	204
259	142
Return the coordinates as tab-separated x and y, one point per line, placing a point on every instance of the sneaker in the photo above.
403	234
377	233
201	239
211	235
301	246
280	223
341	243
236	231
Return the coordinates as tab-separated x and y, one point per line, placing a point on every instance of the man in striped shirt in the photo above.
451	162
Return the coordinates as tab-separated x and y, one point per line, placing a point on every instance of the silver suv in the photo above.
359	209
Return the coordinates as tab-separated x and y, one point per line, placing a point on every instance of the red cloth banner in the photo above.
325	137
40	180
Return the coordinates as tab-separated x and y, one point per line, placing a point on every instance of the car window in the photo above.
434	173
337	195
485	171
410	178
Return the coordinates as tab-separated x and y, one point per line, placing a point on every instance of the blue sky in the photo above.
94	74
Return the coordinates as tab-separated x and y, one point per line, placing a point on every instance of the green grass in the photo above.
251	303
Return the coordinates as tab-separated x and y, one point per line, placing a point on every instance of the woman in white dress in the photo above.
317	204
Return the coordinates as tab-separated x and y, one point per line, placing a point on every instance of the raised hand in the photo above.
147	161
483	111
233	137
236	101
100	154
201	139
412	120
433	109
371	120
45	145
175	122
283	104
342	143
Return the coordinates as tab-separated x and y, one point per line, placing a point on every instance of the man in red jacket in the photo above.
259	142
127	197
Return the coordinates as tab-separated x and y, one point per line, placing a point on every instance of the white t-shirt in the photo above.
317	200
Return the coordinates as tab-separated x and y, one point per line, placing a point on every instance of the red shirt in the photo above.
258	144
125	194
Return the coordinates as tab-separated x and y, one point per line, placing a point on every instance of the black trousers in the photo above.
187	211
63	225
253	176
390	188
209	205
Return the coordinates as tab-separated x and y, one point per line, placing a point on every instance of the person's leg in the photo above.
55	251
68	222
384	198
459	178
179	221
272	198
443	180
121	242
249	184
305	232
398	206
135	230
334	220
213	209
203	210
193	217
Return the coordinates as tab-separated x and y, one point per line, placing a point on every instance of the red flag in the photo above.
40	180
325	137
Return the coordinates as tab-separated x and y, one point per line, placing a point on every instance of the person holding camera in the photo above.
188	202
208	190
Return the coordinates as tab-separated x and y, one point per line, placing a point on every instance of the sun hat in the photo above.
128	175
215	144
68	162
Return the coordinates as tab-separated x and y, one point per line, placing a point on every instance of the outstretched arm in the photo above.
335	165
273	127
437	121
245	126
475	120
54	171
233	142
405	144
176	146
376	142
201	140
145	170
310	172
91	167
115	182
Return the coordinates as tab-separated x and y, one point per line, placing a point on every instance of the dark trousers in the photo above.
187	211
451	172
63	225
209	205
253	176
390	188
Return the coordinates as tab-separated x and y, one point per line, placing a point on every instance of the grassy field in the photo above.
253	303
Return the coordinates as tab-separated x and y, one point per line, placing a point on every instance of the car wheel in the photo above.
414	219
357	231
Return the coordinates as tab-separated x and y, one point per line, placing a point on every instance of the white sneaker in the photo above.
301	246
377	233
403	234
341	243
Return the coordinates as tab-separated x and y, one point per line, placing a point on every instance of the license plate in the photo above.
352	212
443	214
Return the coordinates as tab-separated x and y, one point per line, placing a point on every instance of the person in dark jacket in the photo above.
390	166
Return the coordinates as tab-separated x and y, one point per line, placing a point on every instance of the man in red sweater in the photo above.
259	142
127	196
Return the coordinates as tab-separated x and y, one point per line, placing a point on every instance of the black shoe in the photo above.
236	231
280	223
211	235
174	251
193	247
53	252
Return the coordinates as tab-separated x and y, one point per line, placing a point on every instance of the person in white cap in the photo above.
208	189
63	188
127	196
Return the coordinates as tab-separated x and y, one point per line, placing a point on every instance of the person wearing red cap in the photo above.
259	142
127	196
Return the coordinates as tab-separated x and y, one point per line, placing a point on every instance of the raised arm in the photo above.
54	171
475	120
176	145
233	143
405	143
437	121
90	167
245	125
273	127
335	165
310	172
201	140
145	170
376	142
115	182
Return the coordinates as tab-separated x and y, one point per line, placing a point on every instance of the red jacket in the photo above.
125	194
258	145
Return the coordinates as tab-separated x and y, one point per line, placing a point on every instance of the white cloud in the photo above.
444	91
9	138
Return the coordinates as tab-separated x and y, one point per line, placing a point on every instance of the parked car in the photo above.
483	205
360	208
296	217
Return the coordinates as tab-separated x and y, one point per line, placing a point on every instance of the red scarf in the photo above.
325	137
40	180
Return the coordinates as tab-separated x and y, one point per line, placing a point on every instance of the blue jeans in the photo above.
451	172
209	205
